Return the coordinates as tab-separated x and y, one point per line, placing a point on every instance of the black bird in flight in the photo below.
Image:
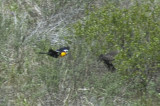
57	53
108	58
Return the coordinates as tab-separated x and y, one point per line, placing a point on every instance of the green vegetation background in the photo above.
29	79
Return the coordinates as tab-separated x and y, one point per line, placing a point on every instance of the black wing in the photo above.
53	53
63	49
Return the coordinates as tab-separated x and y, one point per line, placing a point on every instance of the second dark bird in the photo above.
108	58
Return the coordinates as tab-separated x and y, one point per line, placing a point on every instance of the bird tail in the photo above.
43	53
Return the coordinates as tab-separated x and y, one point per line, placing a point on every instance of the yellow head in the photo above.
63	54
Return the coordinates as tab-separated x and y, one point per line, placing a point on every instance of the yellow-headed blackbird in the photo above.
108	58
58	53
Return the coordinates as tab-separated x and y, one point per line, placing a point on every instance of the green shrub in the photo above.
133	30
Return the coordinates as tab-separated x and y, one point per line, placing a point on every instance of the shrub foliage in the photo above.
133	30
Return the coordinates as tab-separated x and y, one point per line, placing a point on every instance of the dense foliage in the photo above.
133	30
